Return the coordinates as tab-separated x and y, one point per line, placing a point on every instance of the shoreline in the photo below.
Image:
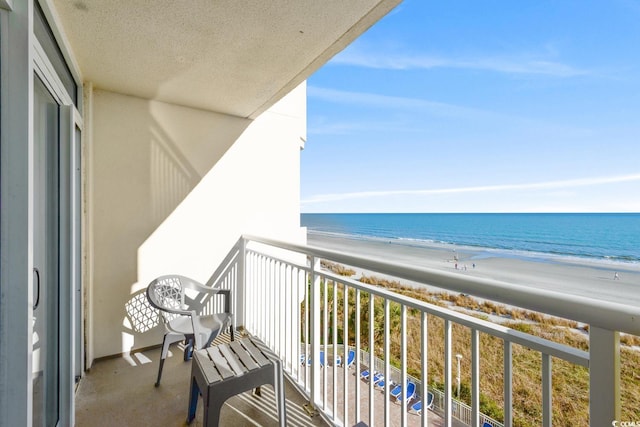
481	252
588	278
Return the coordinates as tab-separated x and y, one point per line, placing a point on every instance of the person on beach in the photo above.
616	276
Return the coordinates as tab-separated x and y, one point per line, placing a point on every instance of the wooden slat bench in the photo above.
232	368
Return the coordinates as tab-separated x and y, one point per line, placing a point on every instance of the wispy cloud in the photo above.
549	185
416	107
516	64
374	100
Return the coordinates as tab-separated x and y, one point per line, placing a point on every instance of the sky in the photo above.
480	106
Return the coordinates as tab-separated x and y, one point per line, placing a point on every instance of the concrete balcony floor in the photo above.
120	392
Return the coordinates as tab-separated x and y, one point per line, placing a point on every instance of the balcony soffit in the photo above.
229	56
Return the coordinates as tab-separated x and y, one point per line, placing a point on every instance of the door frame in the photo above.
70	306
21	58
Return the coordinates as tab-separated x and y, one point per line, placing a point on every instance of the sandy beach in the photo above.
574	276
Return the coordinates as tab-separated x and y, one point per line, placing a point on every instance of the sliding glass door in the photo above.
47	259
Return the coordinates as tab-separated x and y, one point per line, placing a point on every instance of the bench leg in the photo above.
213	408
193	400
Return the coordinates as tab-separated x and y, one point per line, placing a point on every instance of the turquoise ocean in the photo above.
605	237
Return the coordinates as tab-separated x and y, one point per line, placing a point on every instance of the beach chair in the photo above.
302	356
411	392
429	400
364	375
377	377
486	424
351	358
381	383
396	391
417	407
305	360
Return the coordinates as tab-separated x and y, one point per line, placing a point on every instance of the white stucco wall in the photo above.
172	189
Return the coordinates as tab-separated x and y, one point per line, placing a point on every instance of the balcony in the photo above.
300	310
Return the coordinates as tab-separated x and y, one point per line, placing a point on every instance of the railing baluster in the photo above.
372	355
424	369
403	352
475	378
547	397
315	332
345	340
447	373
387	370
239	292
508	383
358	348
273	289
334	326
303	287
261	310
309	291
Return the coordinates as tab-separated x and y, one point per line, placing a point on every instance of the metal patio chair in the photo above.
183	304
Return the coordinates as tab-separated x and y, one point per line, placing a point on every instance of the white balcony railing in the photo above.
299	310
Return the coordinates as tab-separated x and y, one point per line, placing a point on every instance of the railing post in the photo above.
604	376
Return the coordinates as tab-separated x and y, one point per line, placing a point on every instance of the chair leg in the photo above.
166	342
159	372
188	349
194	393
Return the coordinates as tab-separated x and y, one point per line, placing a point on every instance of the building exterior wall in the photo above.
170	189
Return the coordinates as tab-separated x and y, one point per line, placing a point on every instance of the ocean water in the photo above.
608	237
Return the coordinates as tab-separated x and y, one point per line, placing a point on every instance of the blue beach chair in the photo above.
381	382
364	375
417	407
396	391
377	377
305	360
429	400
411	392
351	358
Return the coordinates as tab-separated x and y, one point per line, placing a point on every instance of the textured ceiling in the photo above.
230	56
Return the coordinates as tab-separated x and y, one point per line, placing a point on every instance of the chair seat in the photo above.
212	322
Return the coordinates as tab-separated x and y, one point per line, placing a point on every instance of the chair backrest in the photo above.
175	292
396	390
351	357
411	389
